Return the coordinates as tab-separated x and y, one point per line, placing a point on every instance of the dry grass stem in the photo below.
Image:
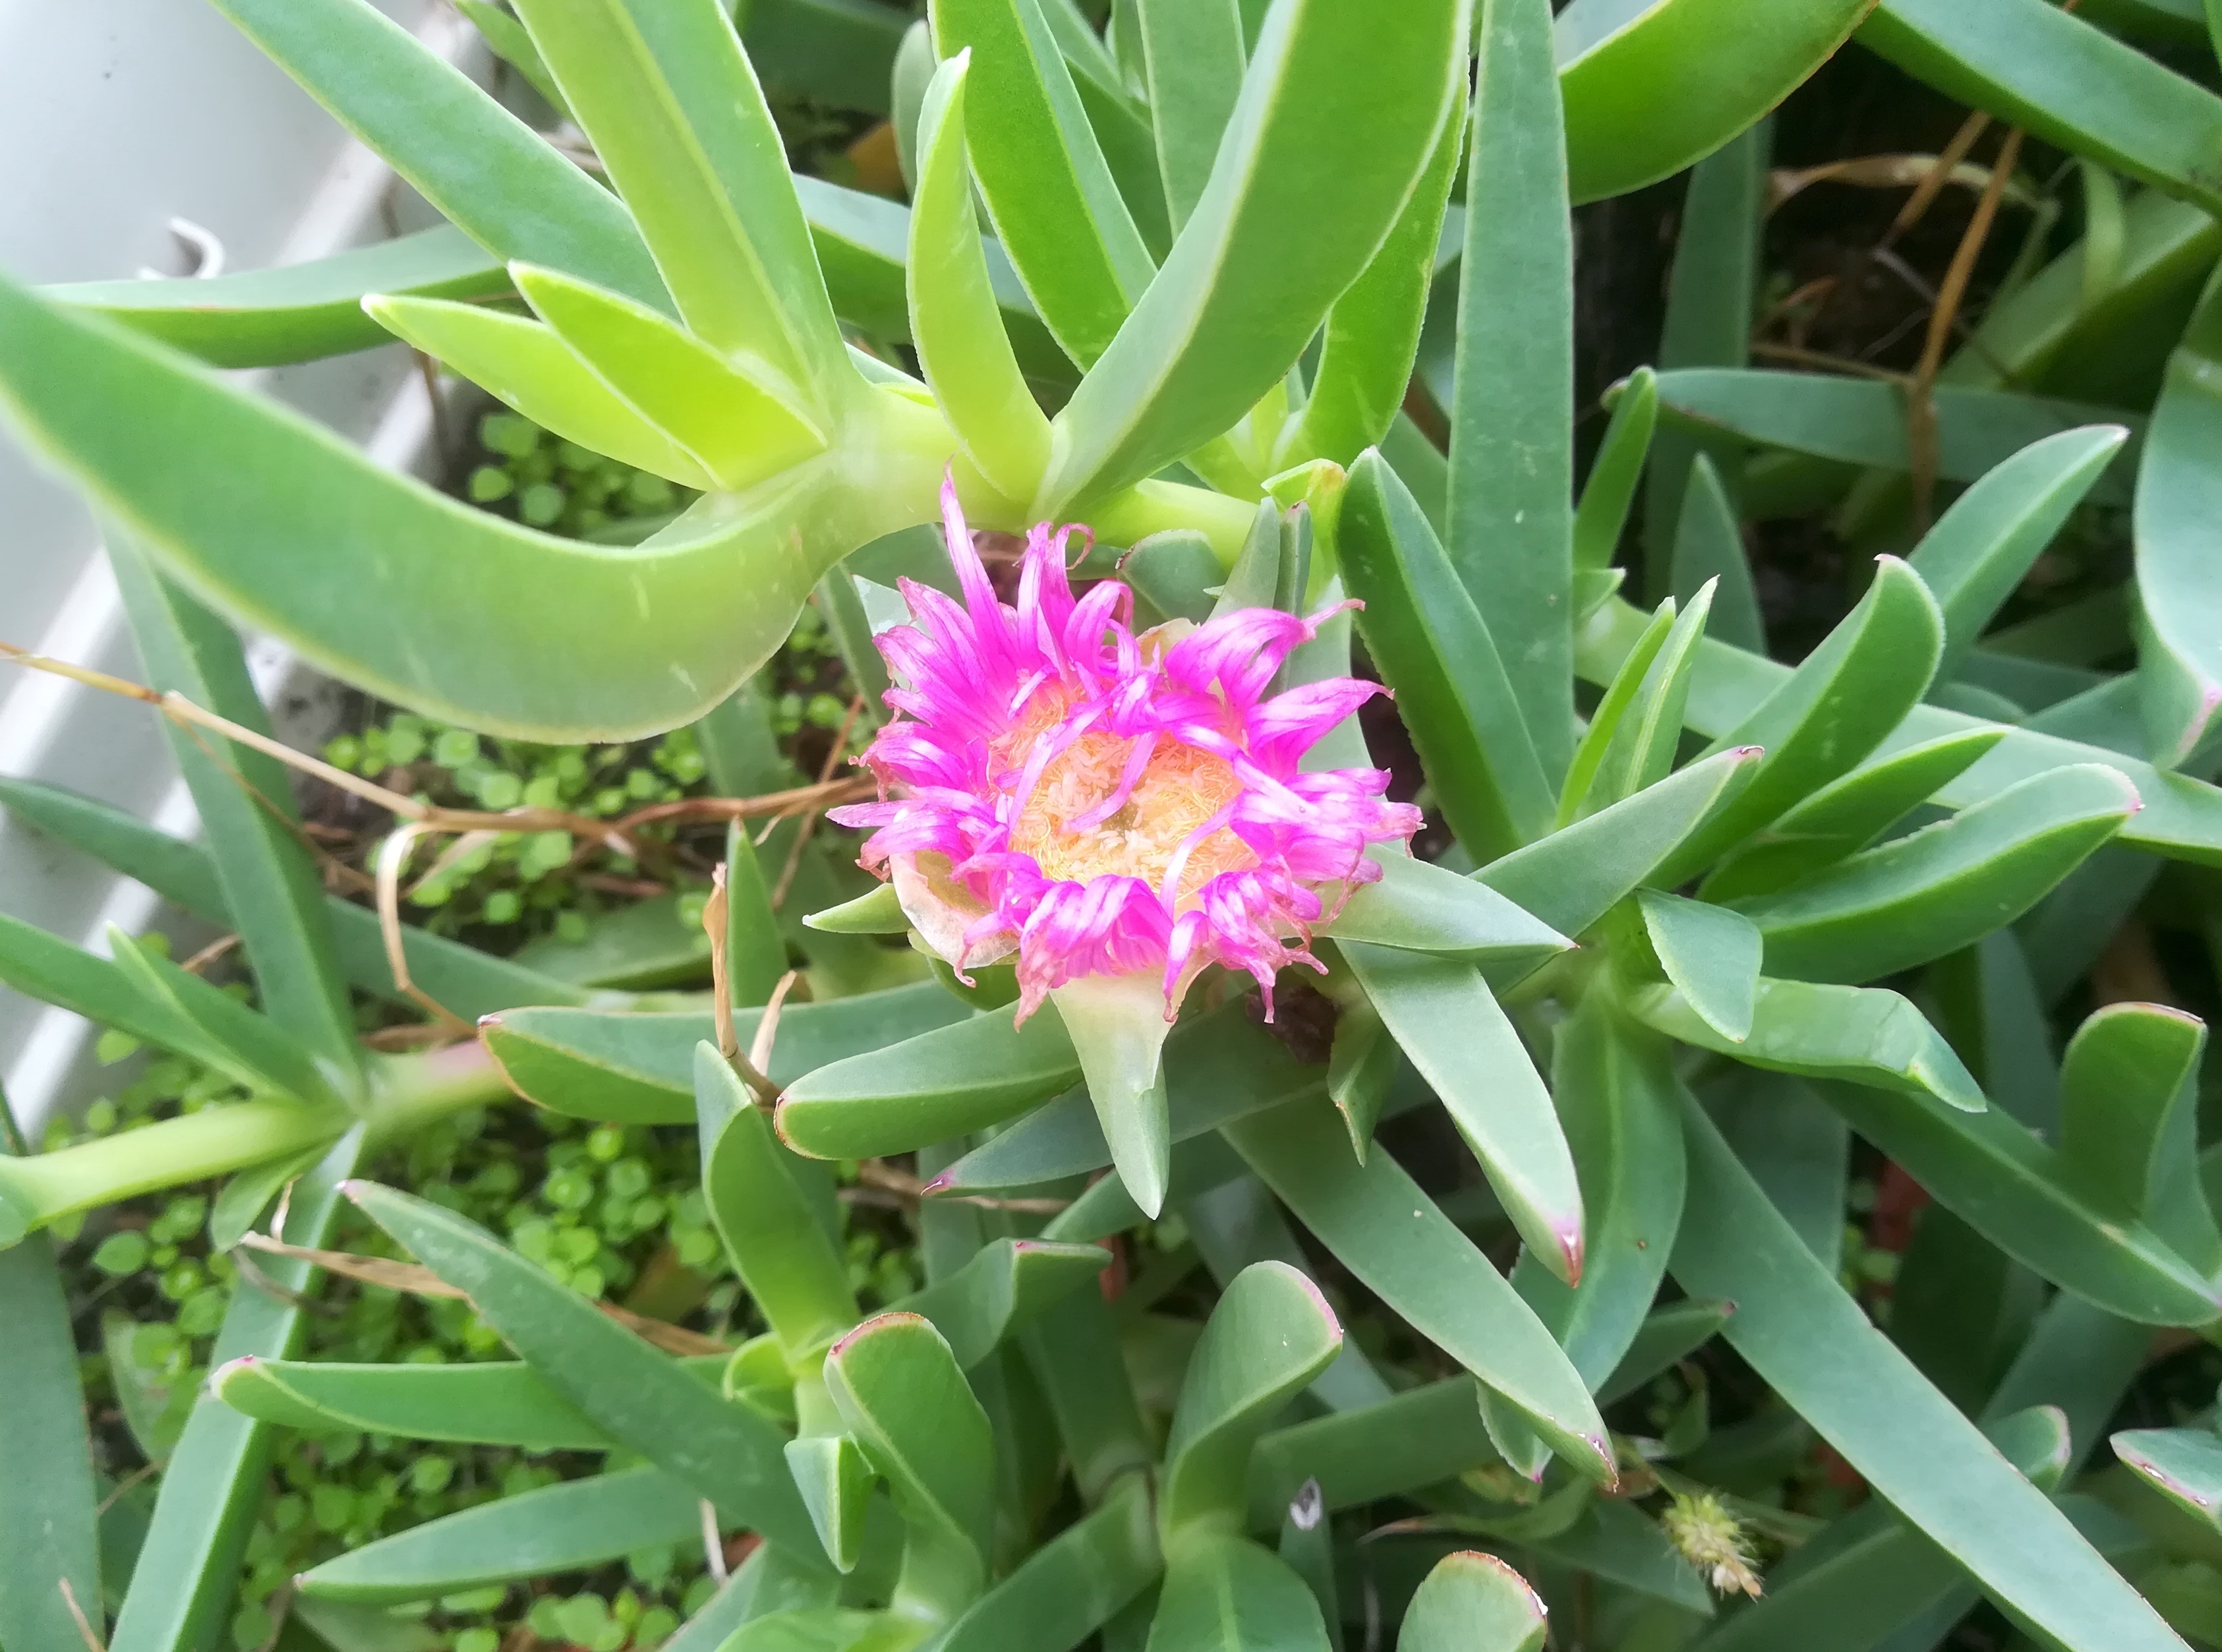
420	1281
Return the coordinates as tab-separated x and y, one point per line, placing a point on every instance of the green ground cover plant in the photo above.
1379	1169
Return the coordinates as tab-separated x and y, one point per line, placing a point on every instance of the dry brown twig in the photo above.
750	1067
390	860
1929	175
209	954
83	1627
418	1281
1928	189
810	821
1921	433
435	817
907	1190
419	820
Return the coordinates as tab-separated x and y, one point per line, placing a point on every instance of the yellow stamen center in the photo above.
1180	788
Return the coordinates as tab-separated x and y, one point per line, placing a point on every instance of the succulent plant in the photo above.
1647	973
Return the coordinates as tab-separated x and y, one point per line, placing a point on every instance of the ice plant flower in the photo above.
1117	809
1107	803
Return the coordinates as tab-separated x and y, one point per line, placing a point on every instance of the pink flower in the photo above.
1103	803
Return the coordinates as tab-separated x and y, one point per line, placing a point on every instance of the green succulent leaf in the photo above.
1810	1341
2183	1465
766	1210
1367	346
954	1079
1042	173
1862	421
1710	954
1398	1446
1122	125
1862	1033
1073	1353
1473	1602
2064	81
1218	1067
2180	817
1510	513
904	1399
1380	1225
273	887
1450	1026
668	98
1070	1586
1611	711
1235	305
837	1485
954	320
1362	1064
1709	554
1945	887
1270	1333
496	1402
185	1578
1845	815
528	366
1193	54
1981	548
299	312
721	1449
2128	1124
486	171
153	1000
571	1527
1640	747
1873	1576
248	1191
1117	1025
735	428
1573	878
474	619
1006	1284
1620	1121
877	913
1831	712
862	243
49	1504
1649	89
638	1068
756	948
2033	1203
1416	907
2179	670
1609	489
1226	1594
1436	653
1712	292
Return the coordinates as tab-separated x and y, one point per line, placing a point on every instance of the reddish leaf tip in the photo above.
1570	1248
877	1323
